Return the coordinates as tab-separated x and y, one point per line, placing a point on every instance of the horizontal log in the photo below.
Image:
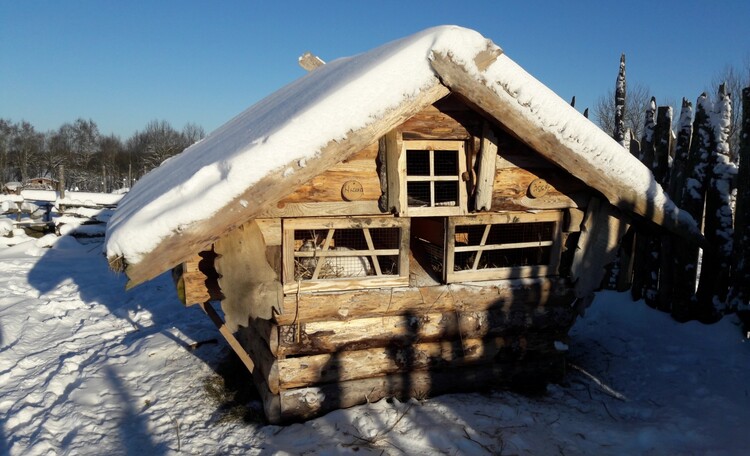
307	307
401	330
352	365
199	279
307	402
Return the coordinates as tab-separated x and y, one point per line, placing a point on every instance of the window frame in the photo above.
510	272
433	145
289	256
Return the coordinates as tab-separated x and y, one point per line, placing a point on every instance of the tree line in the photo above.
89	160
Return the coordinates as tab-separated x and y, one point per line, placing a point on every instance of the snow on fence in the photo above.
82	214
695	165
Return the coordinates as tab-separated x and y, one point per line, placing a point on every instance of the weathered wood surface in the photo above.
307	402
264	360
374	362
326	187
395	171
199	280
487	169
432	123
597	246
511	184
229	336
403	330
269	190
322	209
251	286
309	61
309	307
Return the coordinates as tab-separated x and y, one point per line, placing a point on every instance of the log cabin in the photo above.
422	218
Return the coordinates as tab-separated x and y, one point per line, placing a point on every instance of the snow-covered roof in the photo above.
285	139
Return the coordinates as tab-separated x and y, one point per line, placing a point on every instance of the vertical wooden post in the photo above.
646	155
681	296
61	182
739	294
692	201
661	252
714	281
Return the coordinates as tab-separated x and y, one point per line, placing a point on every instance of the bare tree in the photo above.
5	139
192	133
636	103
734	79
26	150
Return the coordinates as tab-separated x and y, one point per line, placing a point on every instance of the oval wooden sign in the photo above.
538	188
352	190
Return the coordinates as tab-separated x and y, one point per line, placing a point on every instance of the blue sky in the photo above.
125	63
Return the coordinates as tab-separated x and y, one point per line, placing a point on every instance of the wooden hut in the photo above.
422	218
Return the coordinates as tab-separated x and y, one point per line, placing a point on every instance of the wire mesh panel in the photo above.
345	251
510	248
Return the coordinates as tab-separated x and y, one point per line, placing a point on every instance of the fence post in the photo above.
739	293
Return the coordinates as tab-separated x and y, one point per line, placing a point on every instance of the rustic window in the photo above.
433	173
336	254
492	247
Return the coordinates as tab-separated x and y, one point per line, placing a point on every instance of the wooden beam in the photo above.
224	330
309	62
487	169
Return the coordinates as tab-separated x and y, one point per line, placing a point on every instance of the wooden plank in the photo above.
308	307
271	230
309	62
487	169
323	285
231	340
199	280
267	191
395	169
358	364
343	208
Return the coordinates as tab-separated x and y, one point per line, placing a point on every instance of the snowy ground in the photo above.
86	368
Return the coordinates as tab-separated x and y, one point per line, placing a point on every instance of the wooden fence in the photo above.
693	165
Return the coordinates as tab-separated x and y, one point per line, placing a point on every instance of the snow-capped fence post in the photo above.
618	272
620	93
693	201
715	265
646	155
660	245
739	292
681	295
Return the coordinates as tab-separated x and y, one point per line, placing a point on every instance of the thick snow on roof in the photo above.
296	122
291	124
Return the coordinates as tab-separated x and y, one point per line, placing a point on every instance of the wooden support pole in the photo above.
224	330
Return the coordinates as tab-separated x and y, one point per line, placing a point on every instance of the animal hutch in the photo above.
445	240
